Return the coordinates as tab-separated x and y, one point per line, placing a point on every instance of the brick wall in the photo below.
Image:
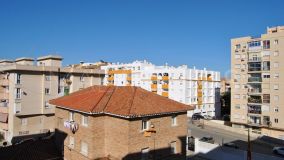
121	138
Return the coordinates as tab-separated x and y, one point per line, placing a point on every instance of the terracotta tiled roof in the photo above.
121	101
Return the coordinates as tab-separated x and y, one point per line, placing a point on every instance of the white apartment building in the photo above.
200	88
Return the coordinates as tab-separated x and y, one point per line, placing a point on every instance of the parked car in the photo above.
278	150
231	145
207	139
197	116
207	117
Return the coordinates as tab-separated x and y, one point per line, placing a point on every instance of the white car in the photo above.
279	150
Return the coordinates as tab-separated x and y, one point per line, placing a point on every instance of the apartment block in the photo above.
27	85
199	88
120	122
257	83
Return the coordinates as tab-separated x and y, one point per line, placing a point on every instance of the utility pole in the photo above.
249	147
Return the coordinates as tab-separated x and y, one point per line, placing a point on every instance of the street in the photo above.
223	136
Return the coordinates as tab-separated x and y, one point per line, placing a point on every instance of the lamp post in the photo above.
249	146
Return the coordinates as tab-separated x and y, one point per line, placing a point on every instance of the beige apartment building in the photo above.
26	87
120	122
257	84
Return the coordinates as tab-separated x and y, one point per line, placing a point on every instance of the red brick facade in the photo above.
118	138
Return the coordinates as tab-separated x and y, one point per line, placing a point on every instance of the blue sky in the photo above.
192	32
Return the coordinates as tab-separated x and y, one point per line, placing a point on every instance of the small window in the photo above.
276	41
82	79
18	78
145	124
18	93
47	91
145	154
238	46
276	97
237	96
276	64
266	44
46	105
276	109
174	120
84	120
276	120
71	116
237	106
276	53
71	142
276	75
275	86
24	121
173	147
84	148
47	77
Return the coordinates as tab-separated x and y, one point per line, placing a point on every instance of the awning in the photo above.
4	117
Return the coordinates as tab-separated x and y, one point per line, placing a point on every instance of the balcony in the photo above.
254	79
128	78
111	78
255	59
254	120
253	69
254	109
254	91
154	87
165	86
165	78
254	99
154	78
165	94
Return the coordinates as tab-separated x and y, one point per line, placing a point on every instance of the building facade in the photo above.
199	88
257	82
121	123
27	87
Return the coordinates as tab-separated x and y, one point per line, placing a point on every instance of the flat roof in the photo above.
55	57
24	59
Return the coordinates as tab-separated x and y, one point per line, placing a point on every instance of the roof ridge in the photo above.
100	98
133	96
109	98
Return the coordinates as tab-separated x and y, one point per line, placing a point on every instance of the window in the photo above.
24	121
276	120
276	109
254	44
275	86
82	79
46	91
237	76
84	120
276	97
276	41
18	93
266	44
71	116
173	147
237	66
174	120
276	53
71	142
238	46
266	76
145	124
46	105
237	56
237	86
237	106
84	148
244	96
276	64
18	78
47	77
145	154
237	96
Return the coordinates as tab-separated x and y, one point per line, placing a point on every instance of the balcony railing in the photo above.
254	111
254	90
254	69
255	59
254	100
254	79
